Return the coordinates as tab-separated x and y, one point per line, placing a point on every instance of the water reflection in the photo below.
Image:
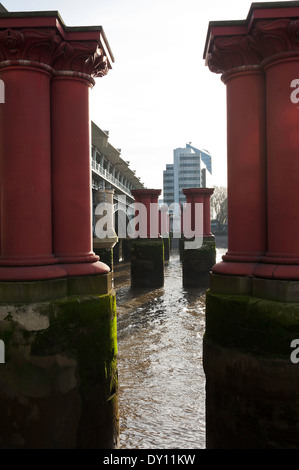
161	379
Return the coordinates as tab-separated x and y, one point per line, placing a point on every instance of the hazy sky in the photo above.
159	94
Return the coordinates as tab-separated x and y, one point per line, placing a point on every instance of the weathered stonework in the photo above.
166	242
58	386
252	385
197	263
147	262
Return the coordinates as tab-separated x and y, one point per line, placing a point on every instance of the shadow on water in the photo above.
161	379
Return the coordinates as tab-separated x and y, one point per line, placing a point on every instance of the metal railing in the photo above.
108	177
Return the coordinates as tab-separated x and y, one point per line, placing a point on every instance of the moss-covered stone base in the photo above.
58	385
197	263
252	393
147	262
166	242
126	249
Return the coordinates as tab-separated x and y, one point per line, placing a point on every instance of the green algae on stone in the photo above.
71	363
259	326
147	262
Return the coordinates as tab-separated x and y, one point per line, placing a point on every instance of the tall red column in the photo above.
282	169
45	178
25	166
246	152
71	175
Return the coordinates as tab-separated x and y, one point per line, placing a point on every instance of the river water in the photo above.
161	378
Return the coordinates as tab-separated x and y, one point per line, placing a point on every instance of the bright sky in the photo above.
159	94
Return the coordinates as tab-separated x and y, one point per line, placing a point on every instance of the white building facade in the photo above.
191	168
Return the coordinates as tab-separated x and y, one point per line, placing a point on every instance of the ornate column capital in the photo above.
263	40
145	193
198	191
53	45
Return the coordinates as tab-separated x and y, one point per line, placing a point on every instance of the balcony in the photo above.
109	178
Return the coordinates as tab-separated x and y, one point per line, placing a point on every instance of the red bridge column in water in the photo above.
197	260
149	198
49	282
252	307
147	250
200	196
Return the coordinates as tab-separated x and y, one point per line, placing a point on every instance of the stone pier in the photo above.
58	385
104	243
147	249
197	262
252	308
164	229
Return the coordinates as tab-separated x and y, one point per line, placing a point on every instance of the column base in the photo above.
235	268
277	271
69	258
55	271
257	269
19	261
105	255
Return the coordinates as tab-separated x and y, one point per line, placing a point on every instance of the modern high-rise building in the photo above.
191	168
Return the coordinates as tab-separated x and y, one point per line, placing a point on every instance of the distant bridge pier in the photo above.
106	237
197	262
164	229
252	307
147	249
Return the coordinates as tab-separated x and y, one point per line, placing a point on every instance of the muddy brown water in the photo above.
161	378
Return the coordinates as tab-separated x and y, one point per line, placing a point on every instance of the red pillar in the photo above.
246	171
71	175
282	169
193	196
164	220
207	211
200	196
148	197
45	197
25	166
